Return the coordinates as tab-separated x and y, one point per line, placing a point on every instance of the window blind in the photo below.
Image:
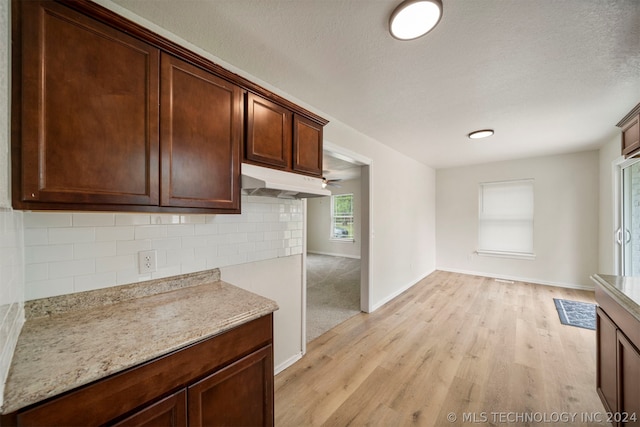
505	219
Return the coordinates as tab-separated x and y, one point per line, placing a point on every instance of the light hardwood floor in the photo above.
452	344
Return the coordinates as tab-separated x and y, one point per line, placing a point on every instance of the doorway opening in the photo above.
336	252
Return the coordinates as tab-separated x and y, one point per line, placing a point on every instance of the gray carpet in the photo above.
333	292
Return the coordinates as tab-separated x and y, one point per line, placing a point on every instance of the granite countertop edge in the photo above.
608	283
61	346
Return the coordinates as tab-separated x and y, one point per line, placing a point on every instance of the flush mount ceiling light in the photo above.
414	18
481	134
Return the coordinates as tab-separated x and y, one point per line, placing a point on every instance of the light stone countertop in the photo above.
99	333
624	289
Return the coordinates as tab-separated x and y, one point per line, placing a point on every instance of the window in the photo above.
342	217
505	218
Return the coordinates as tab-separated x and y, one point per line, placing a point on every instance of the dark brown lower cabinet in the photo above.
628	382
606	382
170	411
225	380
618	361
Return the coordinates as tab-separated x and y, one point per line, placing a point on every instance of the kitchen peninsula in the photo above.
618	340
175	349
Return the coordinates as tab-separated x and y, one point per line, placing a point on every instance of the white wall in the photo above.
283	287
319	223
402	214
11	241
565	219
609	153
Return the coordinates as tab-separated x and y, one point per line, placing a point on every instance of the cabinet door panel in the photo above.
268	133
201	133
307	146
168	412
89	111
606	339
631	136
628	380
239	395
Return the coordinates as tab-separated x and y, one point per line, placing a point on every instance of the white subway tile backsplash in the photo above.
203	229
71	268
71	252
132	246
49	253
47	219
72	235
192	219
116	263
36	236
49	288
94	281
94	250
34	272
133	219
116	233
150	231
168	243
182	230
194	241
84	219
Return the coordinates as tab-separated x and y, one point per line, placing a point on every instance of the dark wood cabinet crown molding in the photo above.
632	113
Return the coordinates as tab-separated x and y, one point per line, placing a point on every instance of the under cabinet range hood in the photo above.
261	181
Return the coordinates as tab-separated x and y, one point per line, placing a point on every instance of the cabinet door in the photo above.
268	133
201	133
88	111
606	376
307	146
239	395
631	136
628	381
168	412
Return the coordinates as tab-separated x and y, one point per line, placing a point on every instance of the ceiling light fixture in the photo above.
484	133
414	18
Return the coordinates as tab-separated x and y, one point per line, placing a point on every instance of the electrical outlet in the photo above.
147	261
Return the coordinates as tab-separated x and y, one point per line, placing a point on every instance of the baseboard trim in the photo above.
519	279
284	365
398	292
333	254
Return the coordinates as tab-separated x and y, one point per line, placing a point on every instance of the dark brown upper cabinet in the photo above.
307	146
201	134
278	138
107	115
268	133
630	126
89	112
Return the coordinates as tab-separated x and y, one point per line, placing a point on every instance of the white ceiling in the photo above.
549	76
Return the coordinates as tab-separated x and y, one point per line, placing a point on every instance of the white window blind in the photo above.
505	220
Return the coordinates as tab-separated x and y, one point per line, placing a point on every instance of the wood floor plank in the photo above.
452	344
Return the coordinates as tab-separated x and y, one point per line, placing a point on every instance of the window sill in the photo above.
512	255
342	240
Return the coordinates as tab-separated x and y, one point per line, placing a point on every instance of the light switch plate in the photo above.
147	261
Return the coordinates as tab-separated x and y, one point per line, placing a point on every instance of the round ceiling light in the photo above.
414	18
481	134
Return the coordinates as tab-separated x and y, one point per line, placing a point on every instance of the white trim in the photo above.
284	365
390	297
512	255
518	279
334	254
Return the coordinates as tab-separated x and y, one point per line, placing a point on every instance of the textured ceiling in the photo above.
549	76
